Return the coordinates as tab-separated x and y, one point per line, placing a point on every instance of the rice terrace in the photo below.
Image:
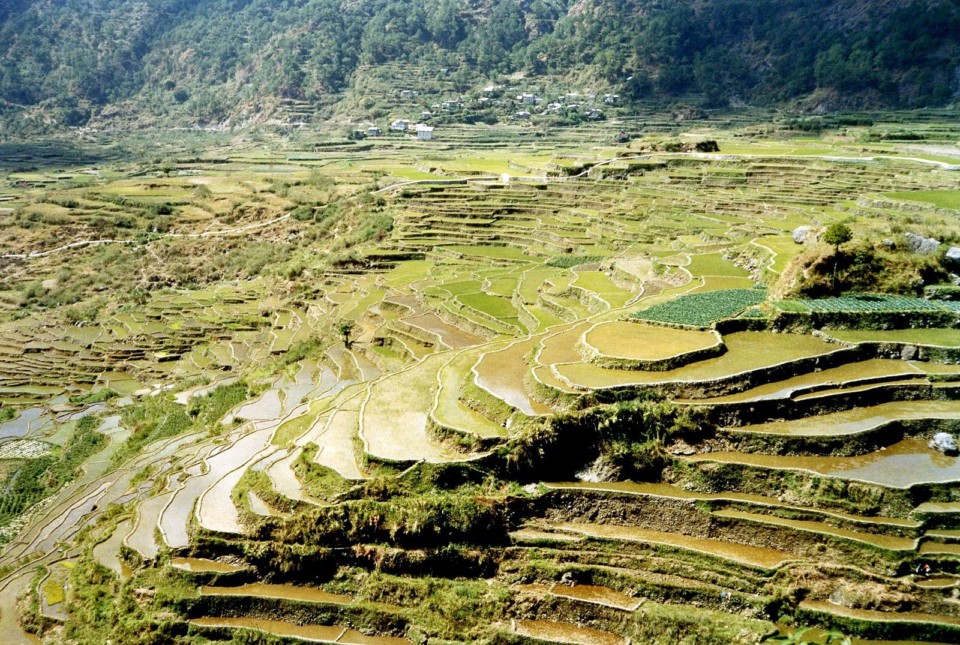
659	373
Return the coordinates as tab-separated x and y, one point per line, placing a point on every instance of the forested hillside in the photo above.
192	61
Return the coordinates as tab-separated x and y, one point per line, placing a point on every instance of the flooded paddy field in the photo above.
383	396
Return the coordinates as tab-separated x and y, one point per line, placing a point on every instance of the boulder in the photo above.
952	257
944	442
922	245
908	353
802	234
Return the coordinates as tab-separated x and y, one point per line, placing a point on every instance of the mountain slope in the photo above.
180	61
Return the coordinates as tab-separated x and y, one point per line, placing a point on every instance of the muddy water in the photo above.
56	578
309	633
345	368
873	368
29	420
71	519
864	389
817	636
141	539
40	529
502	374
175	518
450	410
336	443
111	427
11	633
450	335
79	414
901	465
562	347
353	637
939	548
746	352
258	506
943	582
284	480
107	553
368	371
215	509
548	630
888	542
393	424
880	616
857	420
533	535
200	565
939	507
326	379
268	406
633	341
597	595
283	592
749	555
673	492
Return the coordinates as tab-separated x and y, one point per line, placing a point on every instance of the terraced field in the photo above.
549	407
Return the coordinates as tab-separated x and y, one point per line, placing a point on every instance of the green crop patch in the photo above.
703	309
865	303
940	198
715	264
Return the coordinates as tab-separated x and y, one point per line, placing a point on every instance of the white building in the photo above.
400	125
424	132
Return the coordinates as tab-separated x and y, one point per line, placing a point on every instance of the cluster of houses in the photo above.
530	104
422	131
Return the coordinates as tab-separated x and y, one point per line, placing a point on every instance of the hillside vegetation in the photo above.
174	61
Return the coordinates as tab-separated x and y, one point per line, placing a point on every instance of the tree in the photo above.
837	234
346	330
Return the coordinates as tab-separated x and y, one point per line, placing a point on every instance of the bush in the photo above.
569	261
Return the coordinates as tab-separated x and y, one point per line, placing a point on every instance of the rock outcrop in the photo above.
945	443
922	245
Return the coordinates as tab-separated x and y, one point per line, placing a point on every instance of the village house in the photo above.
424	132
400	125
